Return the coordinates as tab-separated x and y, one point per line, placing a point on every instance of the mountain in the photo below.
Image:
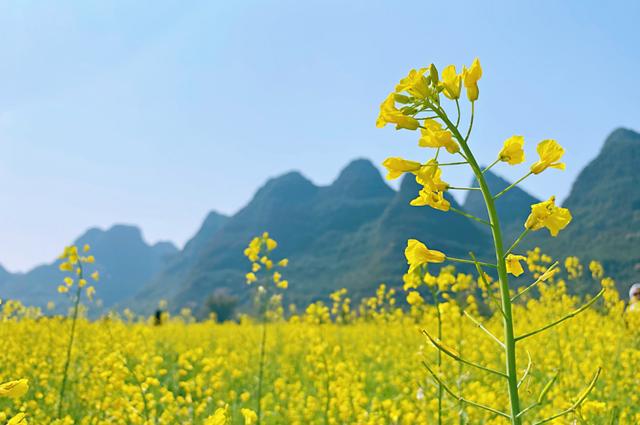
513	207
605	204
4	275
350	234
125	262
168	281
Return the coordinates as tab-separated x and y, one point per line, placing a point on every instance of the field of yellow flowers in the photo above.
331	364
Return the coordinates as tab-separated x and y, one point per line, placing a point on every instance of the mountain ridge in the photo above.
351	233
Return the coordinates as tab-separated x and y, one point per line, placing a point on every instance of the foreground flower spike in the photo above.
547	214
14	389
512	151
513	264
471	78
550	153
389	114
422	95
418	254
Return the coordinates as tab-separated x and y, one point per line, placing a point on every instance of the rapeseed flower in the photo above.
398	166
14	389
513	264
550	153
471	77
389	114
417	254
451	82
512	151
434	136
547	214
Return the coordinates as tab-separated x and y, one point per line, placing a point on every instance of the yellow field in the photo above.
365	369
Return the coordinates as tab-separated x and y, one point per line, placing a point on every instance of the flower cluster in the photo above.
73	263
258	253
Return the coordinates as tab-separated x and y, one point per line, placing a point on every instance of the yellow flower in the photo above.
14	389
89	259
415	84
251	277
82	282
471	77
429	176
91	292
95	276
284	262
512	152
255	267
63	289
414	298
550	153
283	284
86	247
276	277
398	166
389	114
65	267
68	281
271	244
451	82
434	199
250	417
597	271
219	417
19	419
434	136
547	214
418	254
513	264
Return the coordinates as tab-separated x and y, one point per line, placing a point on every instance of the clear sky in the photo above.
156	112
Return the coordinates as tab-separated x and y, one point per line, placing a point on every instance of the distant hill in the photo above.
352	234
349	234
605	203
168	282
125	262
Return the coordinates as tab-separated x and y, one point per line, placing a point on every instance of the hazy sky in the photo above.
156	112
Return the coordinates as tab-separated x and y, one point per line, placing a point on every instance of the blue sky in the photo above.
156	112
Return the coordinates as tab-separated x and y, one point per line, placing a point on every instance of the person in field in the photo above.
634	297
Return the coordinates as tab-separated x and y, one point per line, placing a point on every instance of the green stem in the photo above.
462	188
563	318
470	216
511	186
517	242
462	260
509	337
67	362
434	294
491	166
261	368
538	280
443	164
466	138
